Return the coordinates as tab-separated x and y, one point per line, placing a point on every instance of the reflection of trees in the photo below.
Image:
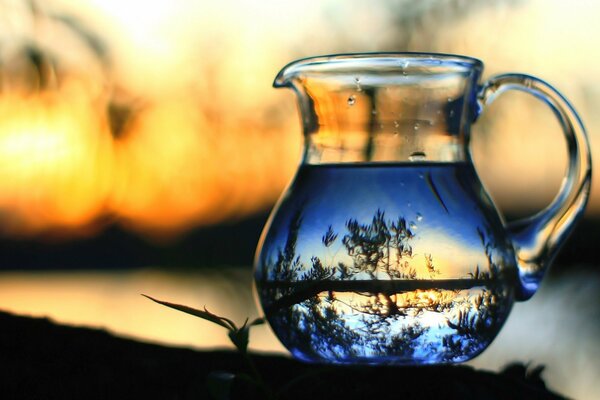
288	264
477	323
378	304
380	247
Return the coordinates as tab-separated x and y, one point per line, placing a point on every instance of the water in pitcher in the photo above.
386	248
385	263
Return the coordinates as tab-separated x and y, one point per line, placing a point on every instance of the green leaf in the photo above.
207	315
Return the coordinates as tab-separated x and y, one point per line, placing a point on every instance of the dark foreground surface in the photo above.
43	360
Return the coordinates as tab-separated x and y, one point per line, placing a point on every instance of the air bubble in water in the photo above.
351	100
357	82
416	127
419	217
413	226
417	156
451	113
404	65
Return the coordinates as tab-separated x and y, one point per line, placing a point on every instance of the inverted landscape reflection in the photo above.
397	263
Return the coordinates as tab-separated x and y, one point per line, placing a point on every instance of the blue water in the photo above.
377	263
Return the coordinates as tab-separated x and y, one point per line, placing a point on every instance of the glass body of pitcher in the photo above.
385	248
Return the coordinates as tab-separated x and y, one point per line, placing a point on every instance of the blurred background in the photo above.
142	147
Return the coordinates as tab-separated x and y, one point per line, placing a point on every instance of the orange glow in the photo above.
55	161
178	168
212	140
111	300
166	174
173	168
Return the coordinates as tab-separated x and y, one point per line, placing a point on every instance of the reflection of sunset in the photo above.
411	302
425	299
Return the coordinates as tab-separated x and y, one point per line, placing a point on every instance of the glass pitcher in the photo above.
385	248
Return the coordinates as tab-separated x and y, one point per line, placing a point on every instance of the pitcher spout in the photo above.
286	75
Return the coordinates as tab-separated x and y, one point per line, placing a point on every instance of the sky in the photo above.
190	131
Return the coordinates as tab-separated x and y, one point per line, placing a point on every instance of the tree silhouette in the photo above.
377	303
288	263
479	321
380	247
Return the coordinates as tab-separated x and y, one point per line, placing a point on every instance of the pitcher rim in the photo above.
281	80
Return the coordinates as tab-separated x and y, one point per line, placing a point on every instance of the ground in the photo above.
43	360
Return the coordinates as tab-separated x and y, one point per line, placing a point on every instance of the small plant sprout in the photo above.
239	336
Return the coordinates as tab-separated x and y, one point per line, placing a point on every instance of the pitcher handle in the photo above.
537	239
